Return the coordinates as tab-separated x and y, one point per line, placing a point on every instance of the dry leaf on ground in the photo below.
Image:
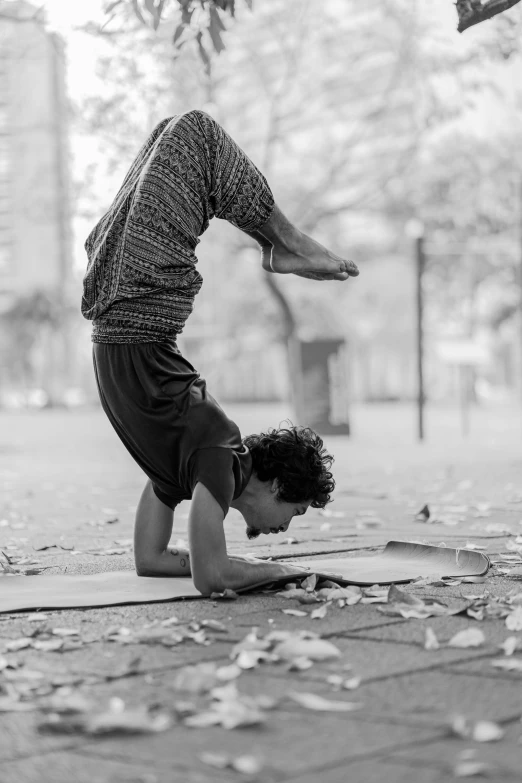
430	640
312	701
115	720
247	765
314	649
319	613
486	731
508	664
226	595
230	710
470	637
338	682
511	645
514	620
471	769
300	664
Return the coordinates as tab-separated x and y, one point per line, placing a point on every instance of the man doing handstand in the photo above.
139	290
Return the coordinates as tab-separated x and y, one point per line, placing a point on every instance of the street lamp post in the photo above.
415	230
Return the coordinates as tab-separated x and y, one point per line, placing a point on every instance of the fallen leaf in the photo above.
314	649
112	721
514	620
247	765
430	640
200	678
228	673
423	515
230	710
309	583
470	637
214	625
398	596
508	664
314	702
249	659
351	594
471	769
308	598
319	613
227	595
18	644
486	731
48	645
340	683
511	645
300	664
294	592
250	642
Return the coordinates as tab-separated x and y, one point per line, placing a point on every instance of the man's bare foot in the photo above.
293	252
308	258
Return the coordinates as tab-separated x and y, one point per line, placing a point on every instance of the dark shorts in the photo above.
161	409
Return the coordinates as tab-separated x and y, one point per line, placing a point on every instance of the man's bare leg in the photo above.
286	250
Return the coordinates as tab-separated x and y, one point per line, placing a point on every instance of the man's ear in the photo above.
275	485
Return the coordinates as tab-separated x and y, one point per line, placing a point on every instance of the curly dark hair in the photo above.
297	458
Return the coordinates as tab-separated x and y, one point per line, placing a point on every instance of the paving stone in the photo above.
438	695
484	668
413	631
65	767
503	756
371	660
19	737
353	618
374	772
110	658
312	738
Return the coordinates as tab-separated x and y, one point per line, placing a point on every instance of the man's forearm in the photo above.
170	562
239	573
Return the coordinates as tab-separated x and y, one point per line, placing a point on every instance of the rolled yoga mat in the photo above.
400	561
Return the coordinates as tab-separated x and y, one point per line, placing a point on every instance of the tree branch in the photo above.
473	12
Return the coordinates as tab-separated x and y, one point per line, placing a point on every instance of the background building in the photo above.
35	236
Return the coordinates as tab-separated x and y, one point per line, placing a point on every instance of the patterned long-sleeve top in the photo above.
141	276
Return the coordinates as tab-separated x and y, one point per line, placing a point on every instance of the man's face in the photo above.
270	514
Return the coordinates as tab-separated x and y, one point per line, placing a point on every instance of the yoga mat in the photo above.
399	562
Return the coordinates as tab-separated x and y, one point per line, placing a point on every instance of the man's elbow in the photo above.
145	566
208	580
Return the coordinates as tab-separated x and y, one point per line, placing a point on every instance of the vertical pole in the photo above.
519	274
419	269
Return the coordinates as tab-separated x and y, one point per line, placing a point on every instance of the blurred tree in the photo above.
352	136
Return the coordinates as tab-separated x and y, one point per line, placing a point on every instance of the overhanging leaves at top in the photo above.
472	12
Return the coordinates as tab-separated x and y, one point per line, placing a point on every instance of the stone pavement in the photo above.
64	476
